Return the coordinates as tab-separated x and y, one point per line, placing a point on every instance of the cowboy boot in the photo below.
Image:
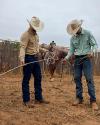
77	102
94	106
42	101
51	79
28	104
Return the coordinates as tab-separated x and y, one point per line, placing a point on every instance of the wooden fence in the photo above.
9	52
8	56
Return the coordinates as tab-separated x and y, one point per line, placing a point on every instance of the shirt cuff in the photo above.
67	57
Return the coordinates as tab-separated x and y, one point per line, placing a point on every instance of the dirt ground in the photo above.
60	110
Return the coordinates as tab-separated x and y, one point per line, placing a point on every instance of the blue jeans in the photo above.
35	70
84	66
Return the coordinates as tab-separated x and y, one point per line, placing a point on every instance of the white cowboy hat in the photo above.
74	26
36	23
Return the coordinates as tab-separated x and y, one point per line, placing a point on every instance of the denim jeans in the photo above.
84	66
35	70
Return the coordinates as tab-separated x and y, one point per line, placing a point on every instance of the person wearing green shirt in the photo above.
82	46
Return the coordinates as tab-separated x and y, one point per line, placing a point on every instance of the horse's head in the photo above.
62	54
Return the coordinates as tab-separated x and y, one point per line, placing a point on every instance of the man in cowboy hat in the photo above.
28	53
53	43
82	45
52	46
51	53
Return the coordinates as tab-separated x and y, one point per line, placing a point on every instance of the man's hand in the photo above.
22	62
64	61
43	50
69	61
90	55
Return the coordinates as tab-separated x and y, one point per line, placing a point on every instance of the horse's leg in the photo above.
52	70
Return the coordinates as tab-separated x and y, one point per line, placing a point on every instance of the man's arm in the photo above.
24	41
71	50
42	49
93	43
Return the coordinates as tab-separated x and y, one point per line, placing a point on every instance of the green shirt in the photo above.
82	44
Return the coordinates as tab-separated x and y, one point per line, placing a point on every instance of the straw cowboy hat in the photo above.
36	23
74	26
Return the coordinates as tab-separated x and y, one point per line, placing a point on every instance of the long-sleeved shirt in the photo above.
29	45
82	44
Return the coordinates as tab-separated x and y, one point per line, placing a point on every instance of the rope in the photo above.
71	65
21	66
32	63
80	62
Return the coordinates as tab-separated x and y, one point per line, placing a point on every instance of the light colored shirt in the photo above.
29	44
82	44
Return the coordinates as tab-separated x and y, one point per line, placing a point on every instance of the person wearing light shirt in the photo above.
82	46
29	49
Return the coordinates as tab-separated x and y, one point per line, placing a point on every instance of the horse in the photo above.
53	58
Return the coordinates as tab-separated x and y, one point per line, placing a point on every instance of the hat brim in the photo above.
71	31
39	28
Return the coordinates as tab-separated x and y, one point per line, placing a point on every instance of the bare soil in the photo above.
60	111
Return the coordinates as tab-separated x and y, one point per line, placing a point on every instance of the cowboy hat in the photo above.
36	23
74	26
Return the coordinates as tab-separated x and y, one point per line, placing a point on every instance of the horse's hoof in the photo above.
51	79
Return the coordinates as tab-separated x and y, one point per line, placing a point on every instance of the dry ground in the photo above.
60	110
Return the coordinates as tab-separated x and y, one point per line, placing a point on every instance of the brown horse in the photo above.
53	58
